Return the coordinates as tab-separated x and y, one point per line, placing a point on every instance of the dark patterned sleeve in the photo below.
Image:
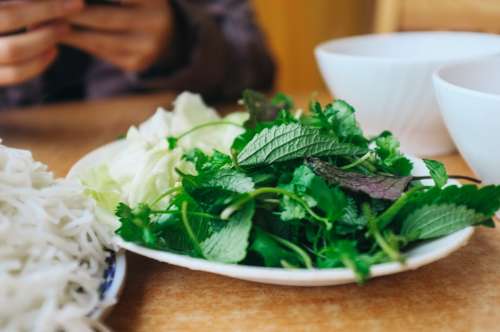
218	51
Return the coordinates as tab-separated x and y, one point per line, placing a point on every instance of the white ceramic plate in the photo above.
422	254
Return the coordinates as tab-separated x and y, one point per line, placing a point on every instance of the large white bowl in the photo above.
469	98
388	79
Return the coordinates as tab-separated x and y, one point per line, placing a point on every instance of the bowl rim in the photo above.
438	79
322	48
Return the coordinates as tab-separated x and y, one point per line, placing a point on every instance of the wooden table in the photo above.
459	293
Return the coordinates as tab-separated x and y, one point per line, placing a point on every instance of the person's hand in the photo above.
131	35
29	32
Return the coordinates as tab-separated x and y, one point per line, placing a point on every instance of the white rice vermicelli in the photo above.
52	252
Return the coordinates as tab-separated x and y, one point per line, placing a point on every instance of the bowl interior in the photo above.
482	75
416	45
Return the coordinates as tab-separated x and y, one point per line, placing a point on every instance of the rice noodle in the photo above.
52	252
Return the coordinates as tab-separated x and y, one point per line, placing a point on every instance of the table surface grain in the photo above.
458	293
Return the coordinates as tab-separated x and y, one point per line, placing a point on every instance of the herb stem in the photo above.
357	162
298	250
166	193
195	214
201	126
228	211
374	231
189	230
368	165
457	177
209	124
388	215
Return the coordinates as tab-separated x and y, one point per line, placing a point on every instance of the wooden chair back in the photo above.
470	15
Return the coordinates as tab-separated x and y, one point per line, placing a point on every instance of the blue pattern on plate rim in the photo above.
109	274
108	278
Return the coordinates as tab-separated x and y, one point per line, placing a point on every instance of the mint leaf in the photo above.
229	245
437	171
433	221
292	141
376	186
225	179
485	200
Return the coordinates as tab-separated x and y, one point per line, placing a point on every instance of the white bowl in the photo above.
387	78
469	98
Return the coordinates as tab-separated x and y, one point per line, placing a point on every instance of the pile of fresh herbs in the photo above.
305	191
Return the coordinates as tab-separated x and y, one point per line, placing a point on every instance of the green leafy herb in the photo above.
300	192
292	141
229	245
345	253
437	171
203	162
432	221
389	158
331	200
224	179
272	252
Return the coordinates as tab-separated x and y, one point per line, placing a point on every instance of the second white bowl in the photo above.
469	97
387	78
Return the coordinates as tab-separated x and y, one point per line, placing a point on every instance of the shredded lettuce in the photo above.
144	168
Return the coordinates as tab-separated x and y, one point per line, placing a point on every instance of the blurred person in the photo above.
54	50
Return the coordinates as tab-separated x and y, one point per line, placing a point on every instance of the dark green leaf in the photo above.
272	253
433	221
485	200
132	223
292	141
225	179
